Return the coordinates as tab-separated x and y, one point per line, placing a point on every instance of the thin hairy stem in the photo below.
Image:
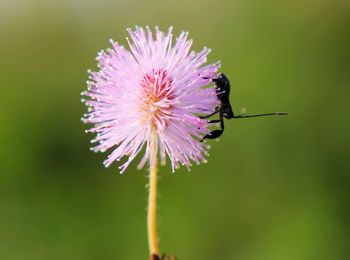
152	205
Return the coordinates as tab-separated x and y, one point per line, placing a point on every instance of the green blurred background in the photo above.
274	188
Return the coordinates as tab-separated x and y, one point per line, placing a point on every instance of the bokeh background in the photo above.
274	188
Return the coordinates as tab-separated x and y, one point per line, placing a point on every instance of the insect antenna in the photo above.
268	114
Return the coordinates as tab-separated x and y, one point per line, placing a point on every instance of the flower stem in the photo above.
152	208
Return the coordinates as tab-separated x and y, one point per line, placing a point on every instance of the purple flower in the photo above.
151	96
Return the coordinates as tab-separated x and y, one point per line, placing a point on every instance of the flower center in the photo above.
157	98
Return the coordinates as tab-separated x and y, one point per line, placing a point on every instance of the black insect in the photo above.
222	88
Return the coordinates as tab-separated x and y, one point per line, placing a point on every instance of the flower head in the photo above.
151	96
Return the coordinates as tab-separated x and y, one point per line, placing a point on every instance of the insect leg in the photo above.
216	133
214	121
215	112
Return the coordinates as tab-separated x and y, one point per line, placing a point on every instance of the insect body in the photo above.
222	88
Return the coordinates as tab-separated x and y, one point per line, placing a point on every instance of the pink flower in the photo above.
151	96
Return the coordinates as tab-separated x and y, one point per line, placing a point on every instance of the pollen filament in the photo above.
156	98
